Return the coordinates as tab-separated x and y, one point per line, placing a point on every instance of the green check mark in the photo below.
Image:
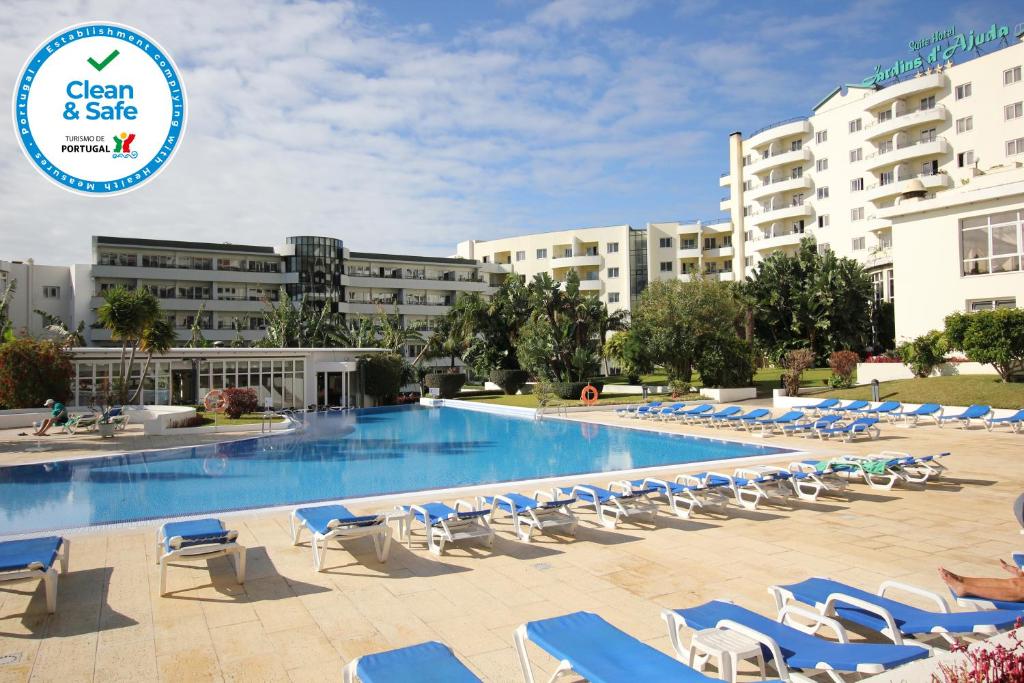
99	66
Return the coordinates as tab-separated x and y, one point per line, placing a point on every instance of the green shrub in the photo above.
448	383
796	362
995	337
726	362
382	376
570	391
925	353
32	371
843	364
510	381
238	401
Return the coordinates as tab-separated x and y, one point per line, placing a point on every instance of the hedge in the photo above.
570	391
32	371
382	376
510	381
449	383
240	400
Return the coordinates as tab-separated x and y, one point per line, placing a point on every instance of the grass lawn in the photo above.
530	400
245	419
956	390
765	379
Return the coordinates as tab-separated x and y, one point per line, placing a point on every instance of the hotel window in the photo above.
858	244
855	125
884	147
520	256
797	228
710	243
928	135
823	221
930	167
927	103
797	172
856	154
485	259
824	248
746	160
665	242
748	261
886	177
857	184
613	272
991	244
611	248
51	292
748	236
1011	76
542	253
965	159
821	165
796	146
885	115
746	210
1013	111
613	297
727	241
991	304
748	184
821	136
798	200
666	266
822	193
965	124
963	91
857	214
688	243
1014	147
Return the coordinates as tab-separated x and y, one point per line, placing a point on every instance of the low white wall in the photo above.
158	419
730	395
22	417
885	372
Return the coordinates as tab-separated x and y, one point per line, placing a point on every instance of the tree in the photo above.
995	337
301	326
6	327
454	333
66	337
630	353
924	353
196	339
393	335
157	337
32	371
809	299
677	321
498	323
134	318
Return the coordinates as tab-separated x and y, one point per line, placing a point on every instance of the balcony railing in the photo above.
909	145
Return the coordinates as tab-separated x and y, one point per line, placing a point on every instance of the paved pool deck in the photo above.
289	623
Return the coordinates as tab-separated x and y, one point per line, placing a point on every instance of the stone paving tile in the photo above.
290	623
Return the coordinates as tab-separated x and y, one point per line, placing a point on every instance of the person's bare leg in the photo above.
43	427
1011	568
1010	590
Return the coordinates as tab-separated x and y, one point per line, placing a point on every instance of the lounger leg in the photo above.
524	656
296	529
240	564
348	674
318	552
50	585
65	556
383	542
163	575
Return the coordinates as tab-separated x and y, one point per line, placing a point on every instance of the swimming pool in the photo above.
360	453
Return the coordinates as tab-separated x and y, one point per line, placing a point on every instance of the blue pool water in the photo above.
337	455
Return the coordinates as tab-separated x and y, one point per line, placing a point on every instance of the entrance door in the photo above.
182	388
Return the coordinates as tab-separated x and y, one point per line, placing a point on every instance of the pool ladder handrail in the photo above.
560	410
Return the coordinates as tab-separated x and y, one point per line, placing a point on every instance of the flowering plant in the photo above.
999	664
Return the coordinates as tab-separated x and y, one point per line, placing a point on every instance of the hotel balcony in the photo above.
779	240
719	252
914	86
692	252
725	204
594	285
778	186
581	260
914	150
724	180
780	159
875	224
932	182
778	131
915	118
720	275
780	214
722	227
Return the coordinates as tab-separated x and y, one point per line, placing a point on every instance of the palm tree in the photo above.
197	340
56	326
6	332
128	314
393	335
158	337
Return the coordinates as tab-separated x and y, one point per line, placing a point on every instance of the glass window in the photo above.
964	159
613	297
965	124
991	244
821	165
520	256
823	192
1014	147
613	272
963	91
612	247
857	214
855	125
821	136
823	221
928	103
666	266
665	242
1013	111
542	253
857	184
856	154
858	243
1011	76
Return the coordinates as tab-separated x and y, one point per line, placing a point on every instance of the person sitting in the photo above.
58	416
1009	590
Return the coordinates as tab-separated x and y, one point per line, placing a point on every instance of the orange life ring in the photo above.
215	401
588	396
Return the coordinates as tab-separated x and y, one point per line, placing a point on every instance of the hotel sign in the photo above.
944	44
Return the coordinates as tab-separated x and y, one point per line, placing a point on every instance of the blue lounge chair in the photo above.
810	427
1012	421
746	492
628	411
445	524
692	413
590	647
790	648
29	559
852	405
642	410
974	412
930	411
335	523
666	412
612	506
198	540
889	409
891	618
722	414
429	662
683	500
532	514
740	420
820	406
862	426
768	425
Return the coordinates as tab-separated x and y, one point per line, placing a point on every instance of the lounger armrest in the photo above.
820	620
463	503
939	601
541	496
765	640
620	486
728	477
894	632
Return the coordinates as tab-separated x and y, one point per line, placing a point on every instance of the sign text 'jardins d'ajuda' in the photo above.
943	45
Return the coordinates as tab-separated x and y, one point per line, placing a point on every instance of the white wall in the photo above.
31	278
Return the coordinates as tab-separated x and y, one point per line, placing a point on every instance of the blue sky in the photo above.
408	126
